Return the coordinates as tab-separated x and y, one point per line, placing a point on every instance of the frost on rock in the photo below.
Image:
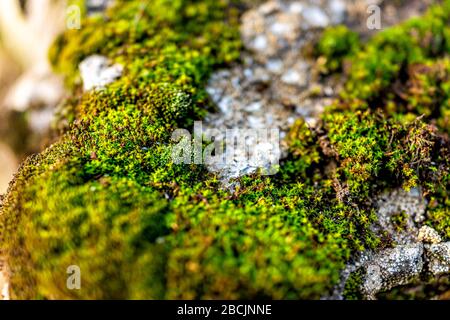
97	72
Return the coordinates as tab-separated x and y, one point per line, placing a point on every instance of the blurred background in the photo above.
29	91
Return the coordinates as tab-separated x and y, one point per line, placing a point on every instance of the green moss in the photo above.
273	238
114	218
335	45
384	58
172	41
229	249
399	220
439	207
373	150
112	171
402	76
303	147
403	70
352	289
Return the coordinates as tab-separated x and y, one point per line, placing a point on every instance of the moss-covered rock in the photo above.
108	197
111	172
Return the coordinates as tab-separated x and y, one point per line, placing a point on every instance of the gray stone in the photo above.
97	6
438	256
395	202
338	10
275	66
316	17
97	72
270	88
260	43
254	107
392	267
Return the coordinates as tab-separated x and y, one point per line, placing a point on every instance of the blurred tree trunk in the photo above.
27	35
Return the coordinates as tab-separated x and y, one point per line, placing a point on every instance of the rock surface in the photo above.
275	84
96	72
401	265
438	257
412	255
408	207
392	267
271	88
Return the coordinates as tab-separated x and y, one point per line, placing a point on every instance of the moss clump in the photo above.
275	237
384	58
99	197
242	249
399	221
403	70
112	217
352	289
335	45
403	74
372	147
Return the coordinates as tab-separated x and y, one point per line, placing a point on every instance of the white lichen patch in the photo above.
96	72
394	205
429	235
438	257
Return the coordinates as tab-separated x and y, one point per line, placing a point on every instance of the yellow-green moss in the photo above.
401	75
99	197
335	45
352	289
